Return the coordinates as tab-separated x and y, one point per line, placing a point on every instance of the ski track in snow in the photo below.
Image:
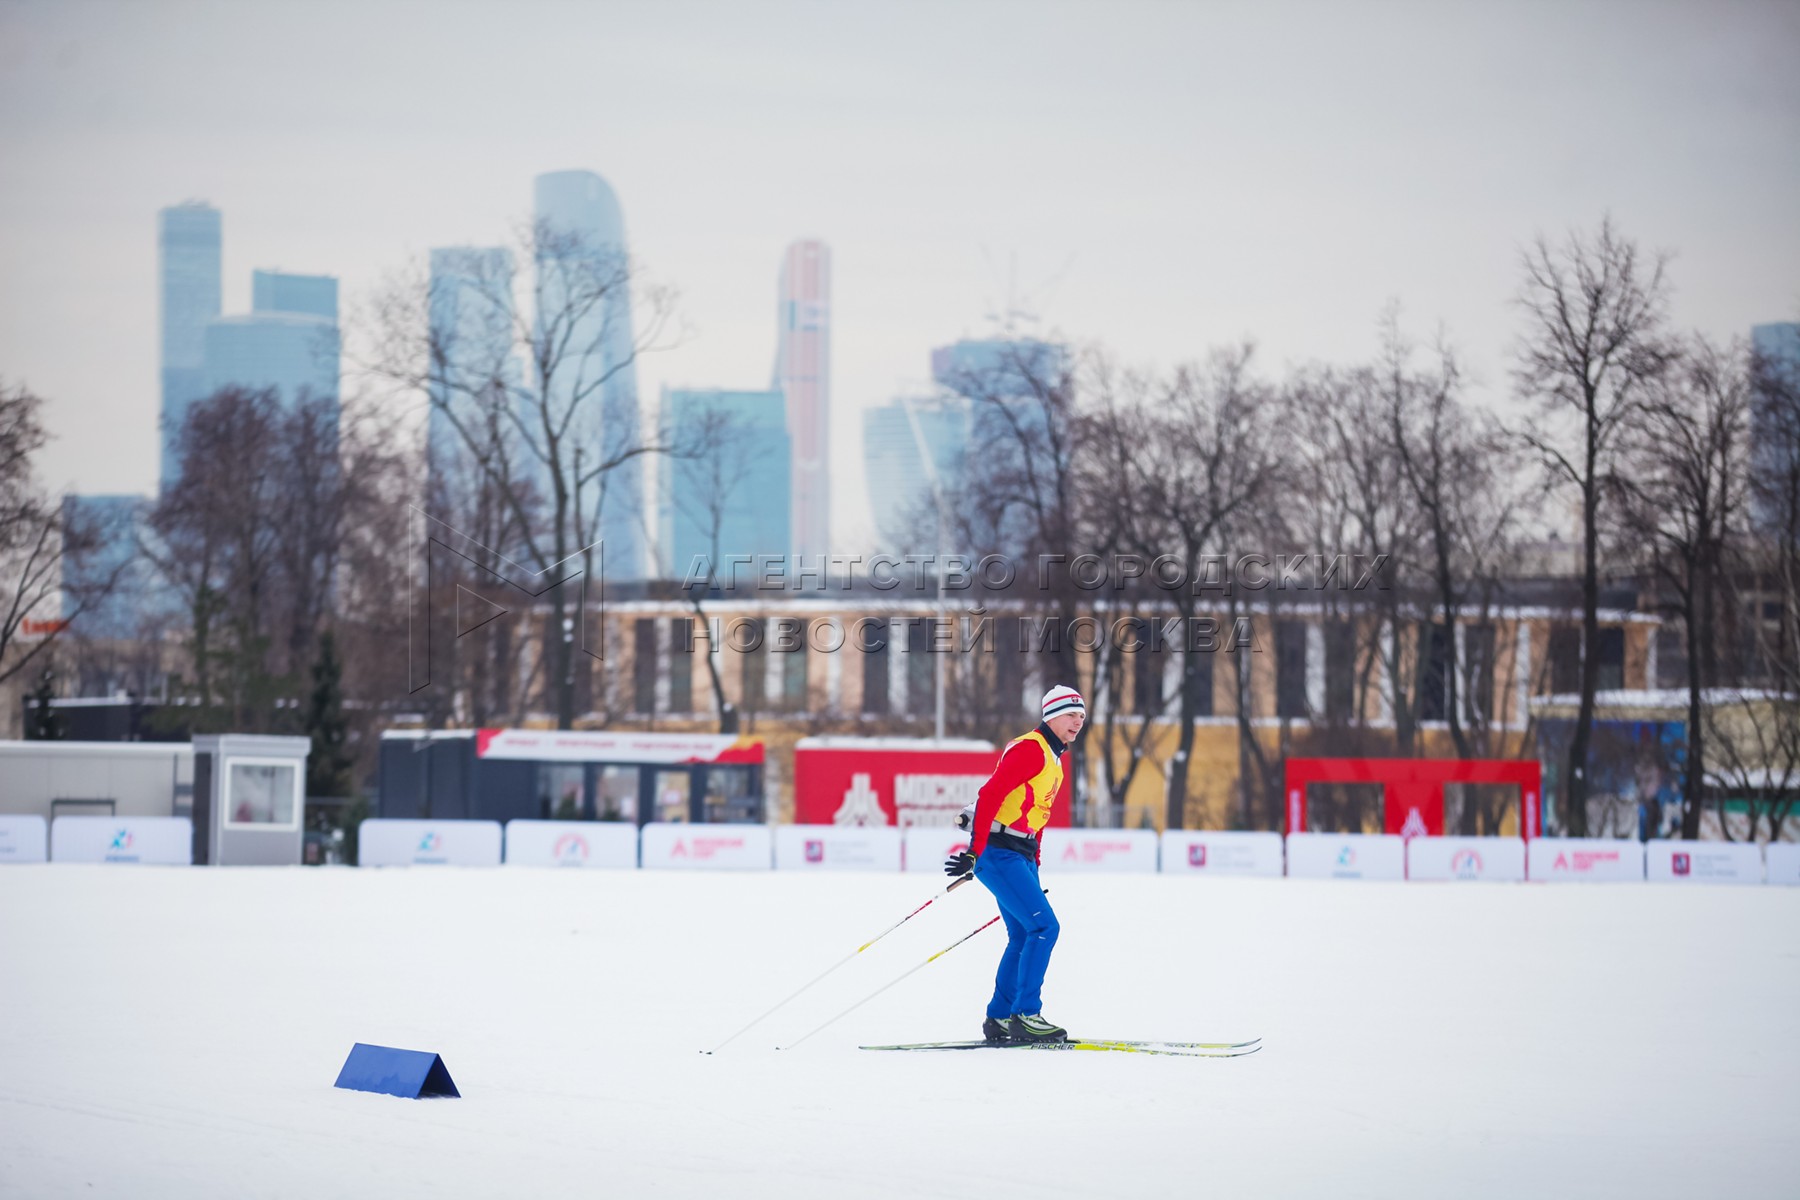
168	1032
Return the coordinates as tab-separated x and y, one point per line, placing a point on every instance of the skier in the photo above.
1010	811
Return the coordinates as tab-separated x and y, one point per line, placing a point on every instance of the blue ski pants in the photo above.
1031	930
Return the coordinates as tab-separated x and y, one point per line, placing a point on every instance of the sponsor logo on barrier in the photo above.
815	850
1346	856
120	848
1414	825
1682	864
430	842
1197	854
1092	851
1465	864
862	806
704	848
570	850
1583	860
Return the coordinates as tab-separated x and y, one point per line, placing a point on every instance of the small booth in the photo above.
571	775
249	799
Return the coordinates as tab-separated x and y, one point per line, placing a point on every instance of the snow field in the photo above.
168	1032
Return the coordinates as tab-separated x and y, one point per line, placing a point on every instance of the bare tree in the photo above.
1594	310
1680	498
49	575
559	428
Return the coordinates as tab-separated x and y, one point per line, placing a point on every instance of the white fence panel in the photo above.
1492	859
1784	862
396	842
706	847
1584	860
1346	856
925	847
607	844
837	848
1668	861
1115	850
1219	852
24	839
168	841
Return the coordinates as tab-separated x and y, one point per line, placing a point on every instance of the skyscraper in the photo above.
294	353
900	495
310	295
803	373
188	245
586	241
736	491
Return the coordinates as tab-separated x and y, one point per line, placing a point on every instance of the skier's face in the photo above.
1067	725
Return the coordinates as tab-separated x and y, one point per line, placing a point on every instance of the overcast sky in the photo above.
1165	176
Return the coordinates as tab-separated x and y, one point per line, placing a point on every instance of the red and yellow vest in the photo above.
1026	808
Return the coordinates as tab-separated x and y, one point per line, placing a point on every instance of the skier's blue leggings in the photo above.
1031	930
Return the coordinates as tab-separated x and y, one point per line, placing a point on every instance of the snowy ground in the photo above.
170	1032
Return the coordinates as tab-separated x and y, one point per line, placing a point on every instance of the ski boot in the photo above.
997	1031
1031	1027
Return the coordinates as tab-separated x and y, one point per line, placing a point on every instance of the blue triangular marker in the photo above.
409	1073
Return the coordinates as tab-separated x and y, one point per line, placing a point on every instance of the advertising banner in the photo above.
1667	861
893	781
390	842
572	844
581	745
1577	860
706	847
926	847
24	839
1494	859
1783	860
836	848
168	841
1346	856
1130	850
1215	852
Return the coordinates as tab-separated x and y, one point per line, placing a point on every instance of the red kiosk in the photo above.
1413	788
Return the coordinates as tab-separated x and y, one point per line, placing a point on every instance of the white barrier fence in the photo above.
1346	856
925	847
1784	863
1702	862
1107	850
166	841
391	842
603	844
1496	859
1584	860
24	840
837	848
1204	852
706	847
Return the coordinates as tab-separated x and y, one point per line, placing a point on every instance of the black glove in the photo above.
959	864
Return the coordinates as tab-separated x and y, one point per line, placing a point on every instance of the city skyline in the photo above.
1188	186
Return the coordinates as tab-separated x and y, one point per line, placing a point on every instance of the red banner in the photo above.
893	781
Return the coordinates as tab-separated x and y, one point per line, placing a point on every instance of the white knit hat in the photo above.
1059	700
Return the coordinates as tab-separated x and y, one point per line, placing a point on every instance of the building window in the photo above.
1340	671
1565	659
1290	668
262	793
756	662
1478	673
793	665
1434	672
871	640
1610	659
921	696
681	664
643	666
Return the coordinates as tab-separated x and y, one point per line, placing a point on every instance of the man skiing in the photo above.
1011	810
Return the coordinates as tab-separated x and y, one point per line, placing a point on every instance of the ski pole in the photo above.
947	949
840	962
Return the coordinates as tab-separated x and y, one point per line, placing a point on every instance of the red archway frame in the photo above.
1413	788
